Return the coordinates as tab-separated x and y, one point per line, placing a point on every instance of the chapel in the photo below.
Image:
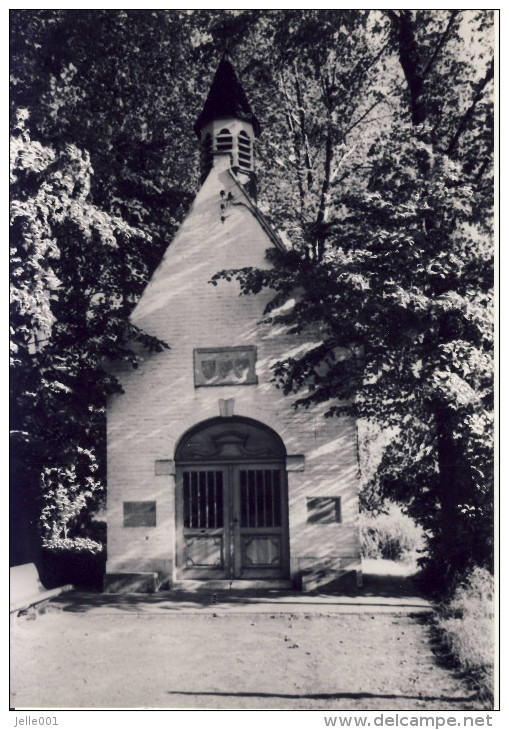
214	478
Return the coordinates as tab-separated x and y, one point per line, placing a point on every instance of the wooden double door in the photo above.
232	521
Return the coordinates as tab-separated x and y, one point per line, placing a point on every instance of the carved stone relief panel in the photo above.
225	366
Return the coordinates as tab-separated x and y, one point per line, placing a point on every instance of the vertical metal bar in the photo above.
231	515
203	496
255	497
185	495
272	498
198	500
248	499
206	498
203	488
242	500
201	522
214	475
278	491
191	516
221	477
245	493
264	492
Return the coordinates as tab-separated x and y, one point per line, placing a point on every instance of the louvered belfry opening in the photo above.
227	123
224	141
244	151
238	144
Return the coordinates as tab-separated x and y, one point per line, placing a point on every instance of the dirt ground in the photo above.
301	661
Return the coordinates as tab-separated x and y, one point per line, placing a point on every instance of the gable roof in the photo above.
226	98
203	245
274	236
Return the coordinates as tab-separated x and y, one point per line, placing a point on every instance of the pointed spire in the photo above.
226	99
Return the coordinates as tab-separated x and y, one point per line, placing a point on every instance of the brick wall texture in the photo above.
161	402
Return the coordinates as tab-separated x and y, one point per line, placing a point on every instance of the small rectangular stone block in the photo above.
130	583
226	407
323	580
295	462
165	467
331	564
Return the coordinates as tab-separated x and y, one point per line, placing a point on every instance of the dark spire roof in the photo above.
226	98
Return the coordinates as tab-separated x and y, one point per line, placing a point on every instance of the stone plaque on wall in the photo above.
322	510
225	366
139	514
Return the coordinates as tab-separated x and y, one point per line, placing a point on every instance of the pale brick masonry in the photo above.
161	401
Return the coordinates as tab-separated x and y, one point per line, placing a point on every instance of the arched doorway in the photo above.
231	502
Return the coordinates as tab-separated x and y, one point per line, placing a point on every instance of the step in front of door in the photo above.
139	582
237	585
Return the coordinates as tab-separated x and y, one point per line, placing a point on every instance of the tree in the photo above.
75	272
83	244
378	167
400	271
127	87
121	85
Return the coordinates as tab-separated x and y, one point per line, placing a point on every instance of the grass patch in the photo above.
390	536
466	625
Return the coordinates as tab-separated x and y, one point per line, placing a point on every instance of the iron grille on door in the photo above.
203	499
231	502
260	498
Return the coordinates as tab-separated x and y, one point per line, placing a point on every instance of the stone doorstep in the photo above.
148	582
236	585
130	582
330	580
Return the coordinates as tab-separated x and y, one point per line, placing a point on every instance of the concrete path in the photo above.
237	603
217	661
382	592
372	648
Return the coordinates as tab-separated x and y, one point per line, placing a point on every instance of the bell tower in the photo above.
227	125
212	473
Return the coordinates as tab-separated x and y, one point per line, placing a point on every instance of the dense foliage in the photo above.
74	273
465	627
392	256
376	160
391	535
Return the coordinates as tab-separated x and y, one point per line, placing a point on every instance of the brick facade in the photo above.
161	402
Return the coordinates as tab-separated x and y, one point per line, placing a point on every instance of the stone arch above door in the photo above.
231	502
230	439
266	418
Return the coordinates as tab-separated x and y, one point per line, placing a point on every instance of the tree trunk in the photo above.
450	490
410	63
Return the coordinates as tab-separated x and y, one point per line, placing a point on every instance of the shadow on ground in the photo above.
379	588
328	696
